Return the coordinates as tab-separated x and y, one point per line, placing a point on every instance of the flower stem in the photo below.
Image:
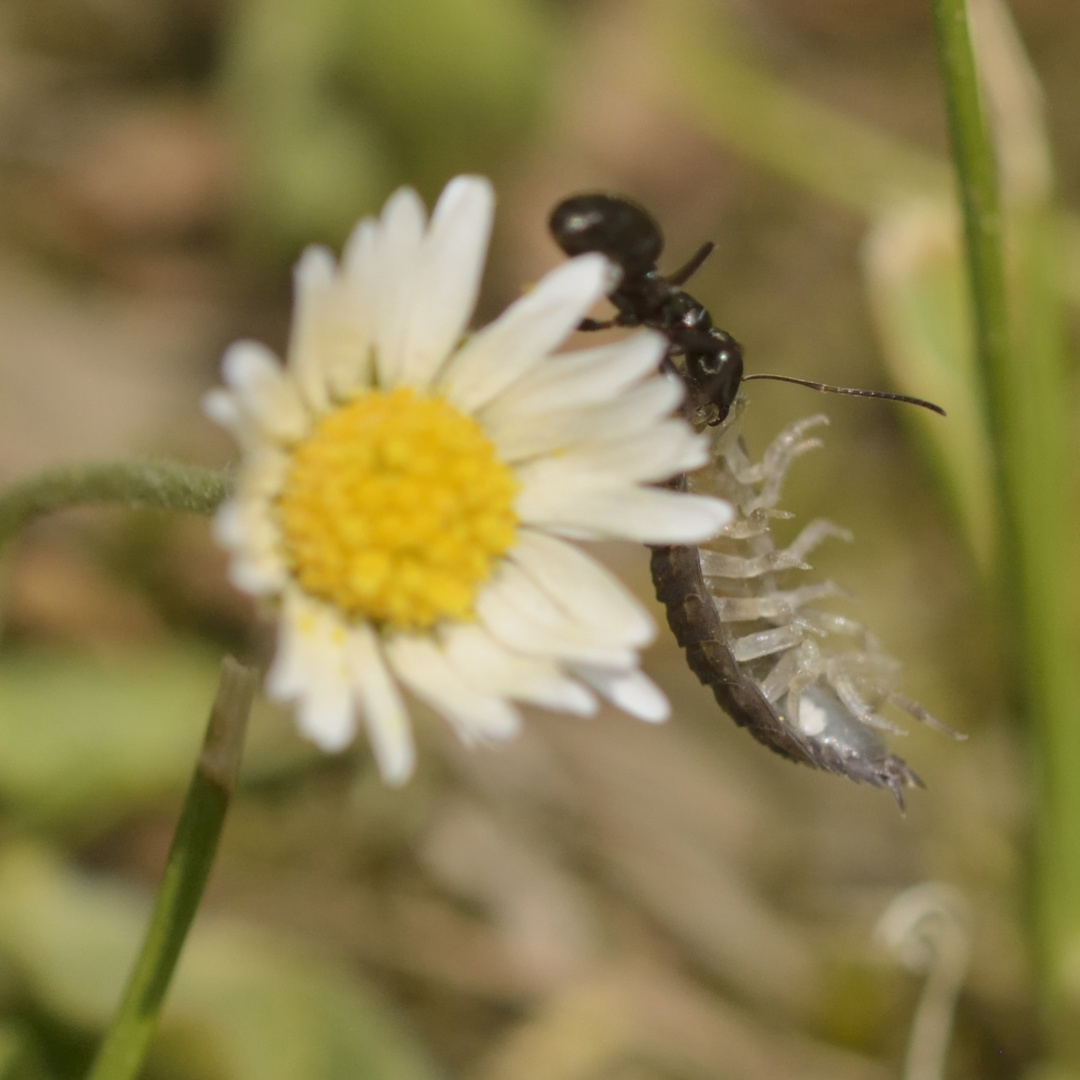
163	484
979	199
1028	411
122	1053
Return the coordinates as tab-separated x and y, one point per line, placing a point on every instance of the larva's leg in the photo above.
767	642
741	567
831	623
768	480
738	567
780	605
775	685
871	665
769	492
797	668
922	714
817	590
813	534
856	705
786	446
753	524
779	455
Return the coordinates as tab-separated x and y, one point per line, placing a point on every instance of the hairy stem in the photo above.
163	484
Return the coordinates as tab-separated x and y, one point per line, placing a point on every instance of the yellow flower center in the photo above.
395	509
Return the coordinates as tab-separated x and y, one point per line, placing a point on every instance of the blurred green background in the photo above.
600	900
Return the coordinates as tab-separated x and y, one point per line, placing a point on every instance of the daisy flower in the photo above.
406	493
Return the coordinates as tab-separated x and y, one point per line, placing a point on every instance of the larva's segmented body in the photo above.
768	654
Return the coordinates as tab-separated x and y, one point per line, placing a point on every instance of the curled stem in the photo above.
928	928
124	1050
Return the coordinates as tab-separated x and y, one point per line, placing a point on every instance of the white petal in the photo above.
399	238
634	413
633	692
224	408
265	394
648	515
258	564
296	632
666	449
246	527
448	276
421	665
359	257
518	613
257	577
314	282
221	407
351	365
525	333
262	472
583	587
360	263
385	715
486	664
311	669
325	713
582	378
227	524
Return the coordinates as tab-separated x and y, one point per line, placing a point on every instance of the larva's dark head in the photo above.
623	231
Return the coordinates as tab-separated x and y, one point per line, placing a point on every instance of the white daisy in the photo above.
405	493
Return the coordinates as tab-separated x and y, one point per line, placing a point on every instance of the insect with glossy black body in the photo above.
772	676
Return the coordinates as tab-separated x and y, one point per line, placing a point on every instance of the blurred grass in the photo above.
241	1006
338	107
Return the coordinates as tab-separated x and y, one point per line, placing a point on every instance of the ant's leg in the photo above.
596	324
685	273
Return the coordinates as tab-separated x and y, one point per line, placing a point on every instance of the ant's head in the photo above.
611	225
716	375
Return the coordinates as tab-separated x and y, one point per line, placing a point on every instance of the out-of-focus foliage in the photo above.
337	106
84	739
87	740
242	1007
914	275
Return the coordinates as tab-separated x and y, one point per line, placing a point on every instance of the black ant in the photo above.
630	237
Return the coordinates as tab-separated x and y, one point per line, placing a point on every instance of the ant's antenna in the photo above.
827	389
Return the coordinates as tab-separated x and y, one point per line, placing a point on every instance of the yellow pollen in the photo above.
395	509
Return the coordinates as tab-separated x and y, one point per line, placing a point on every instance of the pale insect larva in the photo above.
767	653
804	681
